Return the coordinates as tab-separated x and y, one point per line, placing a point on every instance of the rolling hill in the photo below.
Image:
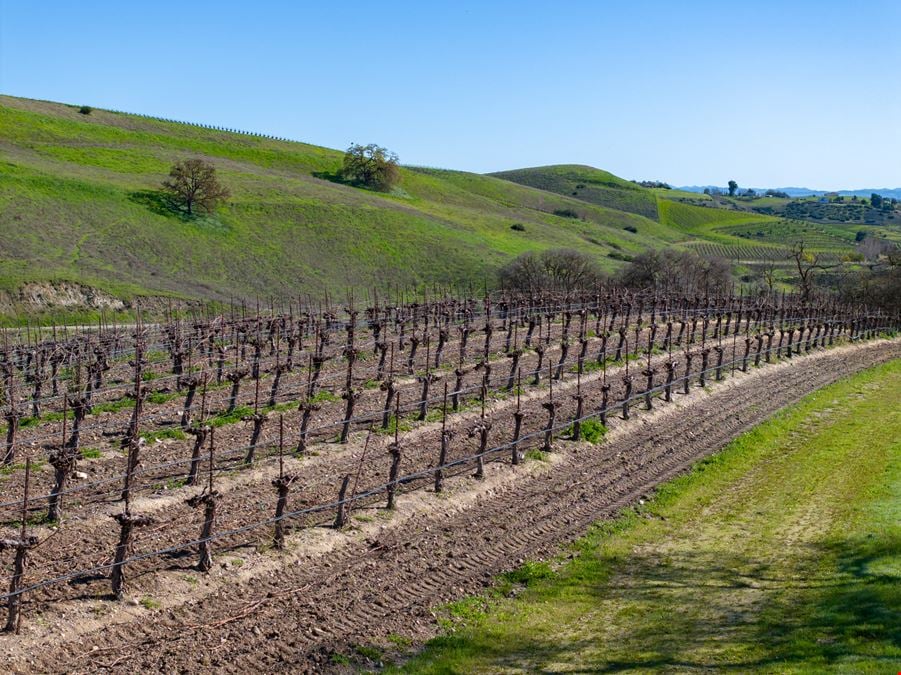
82	222
79	206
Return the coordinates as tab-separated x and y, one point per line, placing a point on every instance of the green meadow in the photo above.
780	554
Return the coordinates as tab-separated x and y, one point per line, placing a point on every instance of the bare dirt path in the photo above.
294	616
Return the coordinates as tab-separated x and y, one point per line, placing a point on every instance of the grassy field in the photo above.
588	184
780	554
79	202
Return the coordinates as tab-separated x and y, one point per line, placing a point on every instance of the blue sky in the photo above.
767	93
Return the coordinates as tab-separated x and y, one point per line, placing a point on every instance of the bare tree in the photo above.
677	271
807	263
193	184
554	269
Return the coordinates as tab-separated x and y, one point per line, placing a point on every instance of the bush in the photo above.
631	228
85	110
566	213
518	227
592	431
616	255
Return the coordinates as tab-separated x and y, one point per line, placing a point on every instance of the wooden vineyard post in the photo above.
282	484
278	370
306	407
517	422
649	372
551	408
445	445
719	362
208	498
426	381
389	386
127	522
514	355
564	352
21	546
235	378
350	396
627	382
394	449
341	517
13	415
200	432
705	356
605	394
580	401
481	430
258	419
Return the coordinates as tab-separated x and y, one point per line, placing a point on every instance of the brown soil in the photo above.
332	589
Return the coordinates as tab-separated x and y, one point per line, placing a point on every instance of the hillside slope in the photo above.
587	184
78	203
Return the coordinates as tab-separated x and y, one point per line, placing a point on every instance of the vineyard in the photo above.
755	254
135	450
786	232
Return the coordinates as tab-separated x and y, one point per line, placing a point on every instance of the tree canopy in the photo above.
370	166
192	184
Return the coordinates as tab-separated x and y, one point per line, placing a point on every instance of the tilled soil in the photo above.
88	535
365	589
166	461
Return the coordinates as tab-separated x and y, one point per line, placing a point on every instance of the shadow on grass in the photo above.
159	203
331	176
832	605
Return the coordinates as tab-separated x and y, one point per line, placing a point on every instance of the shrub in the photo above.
85	110
566	213
518	227
616	255
631	228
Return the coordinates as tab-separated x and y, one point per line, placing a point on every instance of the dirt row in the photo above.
233	439
367	589
88	535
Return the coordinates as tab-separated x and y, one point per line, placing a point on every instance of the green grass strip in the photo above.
782	553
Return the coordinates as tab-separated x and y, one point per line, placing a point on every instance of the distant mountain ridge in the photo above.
891	193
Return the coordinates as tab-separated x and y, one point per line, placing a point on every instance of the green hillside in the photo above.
719	228
80	208
589	185
78	203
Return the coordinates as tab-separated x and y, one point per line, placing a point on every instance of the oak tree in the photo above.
192	184
370	166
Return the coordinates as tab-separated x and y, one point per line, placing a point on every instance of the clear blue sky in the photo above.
768	93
